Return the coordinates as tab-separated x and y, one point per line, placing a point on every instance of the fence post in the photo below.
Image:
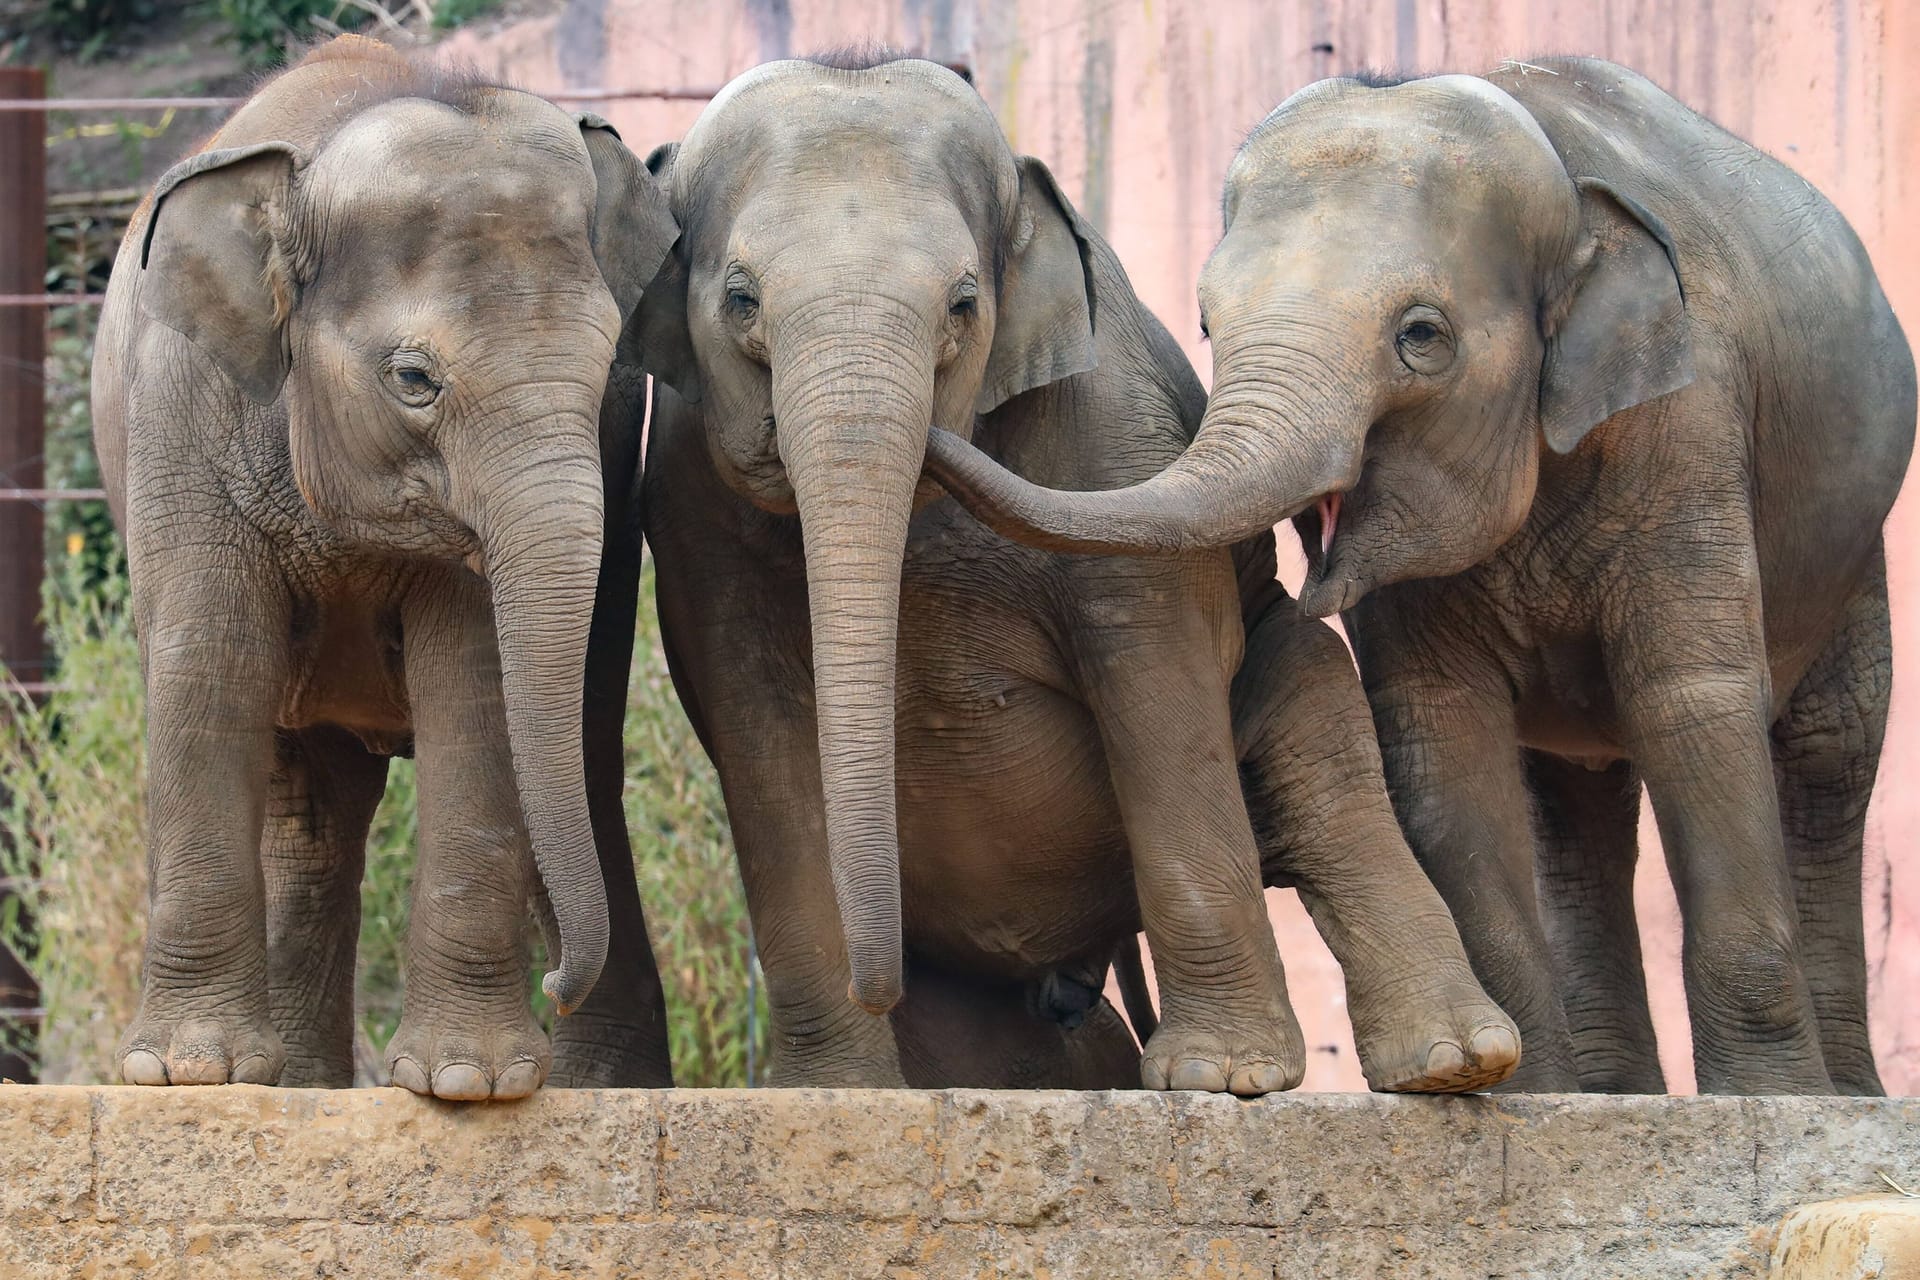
23	426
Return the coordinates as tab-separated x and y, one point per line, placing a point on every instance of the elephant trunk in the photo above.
542	548
1279	434
852	399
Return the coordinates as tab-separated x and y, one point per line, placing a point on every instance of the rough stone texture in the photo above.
1859	1238
202	1184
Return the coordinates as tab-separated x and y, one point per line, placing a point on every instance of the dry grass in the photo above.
73	773
70	837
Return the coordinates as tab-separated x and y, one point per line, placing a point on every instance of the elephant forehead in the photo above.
1447	130
416	157
900	122
898	230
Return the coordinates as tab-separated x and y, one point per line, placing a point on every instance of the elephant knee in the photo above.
1750	981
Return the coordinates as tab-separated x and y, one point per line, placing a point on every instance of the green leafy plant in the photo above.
262	31
88	26
453	13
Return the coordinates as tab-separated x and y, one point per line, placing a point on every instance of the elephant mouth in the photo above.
1325	591
1329	508
1318	525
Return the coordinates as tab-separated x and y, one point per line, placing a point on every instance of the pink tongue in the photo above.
1329	521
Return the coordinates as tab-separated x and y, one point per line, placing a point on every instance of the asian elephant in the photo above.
1589	416
347	400
956	767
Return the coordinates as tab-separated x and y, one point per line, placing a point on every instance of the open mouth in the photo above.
1318	525
1329	508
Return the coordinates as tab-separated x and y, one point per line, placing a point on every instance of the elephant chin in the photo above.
1331	586
1323	597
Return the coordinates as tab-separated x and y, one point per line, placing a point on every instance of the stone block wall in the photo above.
248	1182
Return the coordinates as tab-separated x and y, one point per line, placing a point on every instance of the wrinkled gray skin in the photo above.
951	763
346	399
1613	409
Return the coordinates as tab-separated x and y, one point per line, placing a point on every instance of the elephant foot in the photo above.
200	1046
790	1071
1248	1058
1460	1042
472	1063
598	1054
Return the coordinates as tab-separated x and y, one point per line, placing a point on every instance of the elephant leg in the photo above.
989	1033
1826	751
1588	844
617	1038
1694	701
467	1029
326	786
821	1038
1160	700
213	641
738	684
1312	776
1452	763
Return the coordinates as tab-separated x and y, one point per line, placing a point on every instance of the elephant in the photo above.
1589	416
958	770
347	400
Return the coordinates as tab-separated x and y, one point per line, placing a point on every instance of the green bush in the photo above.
263	30
72	821
86	26
454	13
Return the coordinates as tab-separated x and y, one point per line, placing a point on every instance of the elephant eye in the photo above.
1424	342
966	299
412	383
743	297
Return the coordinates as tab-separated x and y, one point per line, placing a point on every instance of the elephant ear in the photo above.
659	341
633	231
1622	339
214	271
1043	323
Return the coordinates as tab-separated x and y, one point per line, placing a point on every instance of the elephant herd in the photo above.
1587	414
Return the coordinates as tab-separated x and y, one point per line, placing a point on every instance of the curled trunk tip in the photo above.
874	988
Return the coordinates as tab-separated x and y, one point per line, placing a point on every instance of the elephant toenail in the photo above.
197	1071
1445	1060
409	1075
143	1066
255	1068
518	1080
461	1082
1494	1043
1198	1074
1252	1081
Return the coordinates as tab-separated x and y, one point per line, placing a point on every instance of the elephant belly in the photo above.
1013	860
346	669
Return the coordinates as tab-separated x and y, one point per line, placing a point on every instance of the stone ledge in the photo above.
246	1181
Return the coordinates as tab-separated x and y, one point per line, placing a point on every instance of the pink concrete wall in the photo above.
1138	107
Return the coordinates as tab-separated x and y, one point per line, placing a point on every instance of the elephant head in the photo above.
1412	294
434	292
862	256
